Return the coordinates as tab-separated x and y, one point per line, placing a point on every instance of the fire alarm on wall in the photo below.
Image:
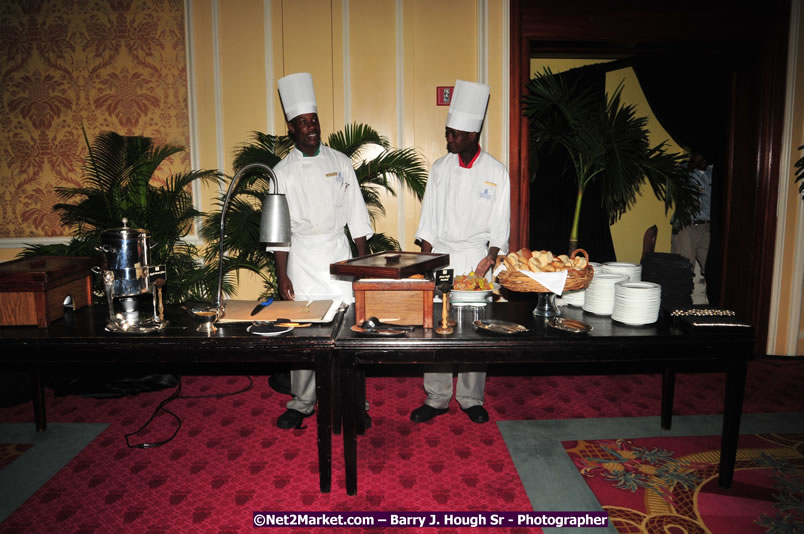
444	95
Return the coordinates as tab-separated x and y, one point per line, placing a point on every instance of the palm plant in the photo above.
799	166
605	140
243	215
118	182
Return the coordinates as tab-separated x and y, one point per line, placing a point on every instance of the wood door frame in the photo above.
749	207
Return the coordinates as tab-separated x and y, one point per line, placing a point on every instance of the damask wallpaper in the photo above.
116	65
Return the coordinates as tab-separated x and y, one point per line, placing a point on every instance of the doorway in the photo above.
755	43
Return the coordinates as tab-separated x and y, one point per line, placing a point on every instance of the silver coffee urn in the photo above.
127	277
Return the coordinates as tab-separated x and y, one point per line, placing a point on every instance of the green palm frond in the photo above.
265	148
354	138
381	242
799	166
406	165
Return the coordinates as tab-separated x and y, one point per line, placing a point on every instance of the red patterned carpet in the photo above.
660	485
229	460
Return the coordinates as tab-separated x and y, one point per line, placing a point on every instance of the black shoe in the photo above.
476	413
292	419
366	423
425	412
280	382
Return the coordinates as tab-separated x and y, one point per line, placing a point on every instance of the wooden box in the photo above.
404	302
33	290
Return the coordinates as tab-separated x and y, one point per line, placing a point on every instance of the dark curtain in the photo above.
553	193
689	95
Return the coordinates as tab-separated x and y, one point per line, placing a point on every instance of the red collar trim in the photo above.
474	159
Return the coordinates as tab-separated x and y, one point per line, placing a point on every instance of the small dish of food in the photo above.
468	288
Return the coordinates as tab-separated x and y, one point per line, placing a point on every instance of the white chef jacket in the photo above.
323	195
465	211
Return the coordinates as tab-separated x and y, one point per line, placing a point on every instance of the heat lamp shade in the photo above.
275	221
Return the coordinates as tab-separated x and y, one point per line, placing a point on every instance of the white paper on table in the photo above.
333	309
553	281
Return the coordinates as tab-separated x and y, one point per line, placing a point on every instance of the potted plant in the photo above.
605	140
243	215
118	182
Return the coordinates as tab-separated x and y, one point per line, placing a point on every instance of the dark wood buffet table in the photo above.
609	348
79	343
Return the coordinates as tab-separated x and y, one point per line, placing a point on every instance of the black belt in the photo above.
698	221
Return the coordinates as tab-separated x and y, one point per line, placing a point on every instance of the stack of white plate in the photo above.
576	298
573	298
632	270
636	303
599	296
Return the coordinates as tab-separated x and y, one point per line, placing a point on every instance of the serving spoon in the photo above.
372	323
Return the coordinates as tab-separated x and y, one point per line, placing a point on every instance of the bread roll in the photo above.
533	265
525	253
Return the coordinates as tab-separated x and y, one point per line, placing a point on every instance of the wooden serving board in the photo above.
239	311
394	264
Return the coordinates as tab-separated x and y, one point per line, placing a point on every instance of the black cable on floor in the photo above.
173	396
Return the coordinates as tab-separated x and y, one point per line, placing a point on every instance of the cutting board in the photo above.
239	311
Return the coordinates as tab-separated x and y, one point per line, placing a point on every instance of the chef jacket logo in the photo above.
487	192
338	176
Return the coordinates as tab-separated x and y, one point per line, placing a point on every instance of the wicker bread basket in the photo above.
576	278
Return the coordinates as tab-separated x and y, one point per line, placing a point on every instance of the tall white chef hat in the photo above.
467	107
297	94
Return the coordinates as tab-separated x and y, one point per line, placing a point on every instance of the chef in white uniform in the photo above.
323	196
466	214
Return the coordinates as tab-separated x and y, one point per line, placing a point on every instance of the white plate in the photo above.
267	330
641	285
457	296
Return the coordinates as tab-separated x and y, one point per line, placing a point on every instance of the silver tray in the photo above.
569	325
146	327
378	332
499	327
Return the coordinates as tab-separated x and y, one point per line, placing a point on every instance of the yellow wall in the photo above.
786	334
628	231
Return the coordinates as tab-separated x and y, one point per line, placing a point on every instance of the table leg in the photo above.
732	411
350	412
40	417
360	392
323	387
668	392
337	417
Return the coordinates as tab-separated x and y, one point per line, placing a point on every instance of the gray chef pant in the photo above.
302	387
468	393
